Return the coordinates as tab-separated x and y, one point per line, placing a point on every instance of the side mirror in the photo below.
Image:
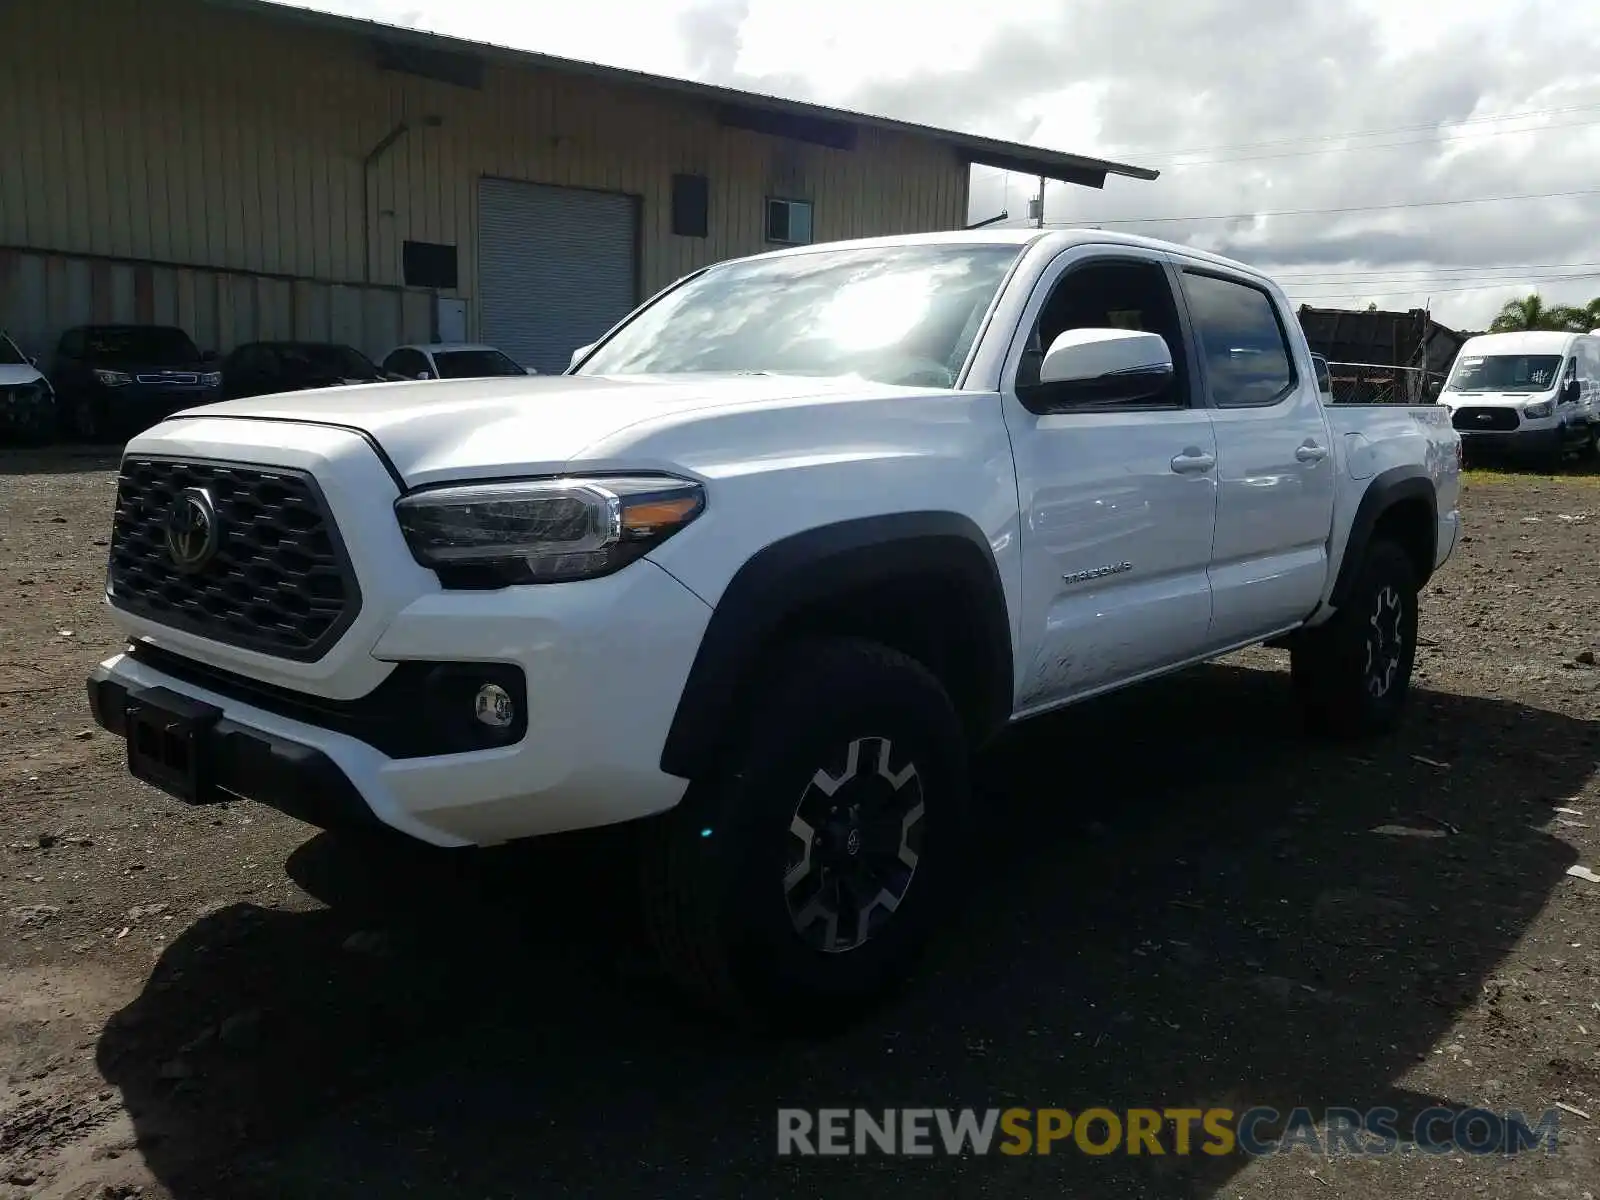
1435	387
33	360
529	371
1108	366
579	353
1571	391
424	374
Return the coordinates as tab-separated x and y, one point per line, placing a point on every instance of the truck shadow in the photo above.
1178	902
58	459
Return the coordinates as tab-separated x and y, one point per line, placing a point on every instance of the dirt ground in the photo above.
1178	900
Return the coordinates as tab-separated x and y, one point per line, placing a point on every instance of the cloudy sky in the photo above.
1254	110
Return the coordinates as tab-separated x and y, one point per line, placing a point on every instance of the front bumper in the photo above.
1517	443
138	406
604	662
27	409
279	772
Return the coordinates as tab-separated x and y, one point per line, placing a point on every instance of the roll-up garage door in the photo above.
555	268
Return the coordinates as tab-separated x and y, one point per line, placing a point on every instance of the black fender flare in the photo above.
1386	489
797	572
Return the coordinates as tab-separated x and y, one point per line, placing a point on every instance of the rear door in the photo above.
1275	468
1117	500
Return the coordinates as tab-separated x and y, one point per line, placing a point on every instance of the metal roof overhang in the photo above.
460	62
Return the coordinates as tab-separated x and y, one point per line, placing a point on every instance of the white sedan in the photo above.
451	360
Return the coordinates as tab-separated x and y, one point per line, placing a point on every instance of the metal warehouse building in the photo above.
249	171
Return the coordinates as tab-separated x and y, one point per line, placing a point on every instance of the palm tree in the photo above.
1530	312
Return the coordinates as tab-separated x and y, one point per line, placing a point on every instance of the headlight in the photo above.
1540	408
211	378
113	378
543	530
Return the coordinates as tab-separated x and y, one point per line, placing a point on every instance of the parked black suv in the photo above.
114	381
264	368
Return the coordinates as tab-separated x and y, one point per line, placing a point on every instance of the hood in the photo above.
21	373
456	428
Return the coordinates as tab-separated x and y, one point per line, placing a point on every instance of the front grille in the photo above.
26	408
1498	419
278	581
183	377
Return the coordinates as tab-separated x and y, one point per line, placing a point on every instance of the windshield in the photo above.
1505	373
332	360
152	345
903	315
474	364
10	356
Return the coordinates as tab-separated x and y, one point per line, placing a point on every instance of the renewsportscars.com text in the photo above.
1159	1131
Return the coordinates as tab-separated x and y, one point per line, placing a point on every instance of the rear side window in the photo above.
409	363
474	364
1324	381
1246	354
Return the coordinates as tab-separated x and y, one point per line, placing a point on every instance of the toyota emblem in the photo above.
191	530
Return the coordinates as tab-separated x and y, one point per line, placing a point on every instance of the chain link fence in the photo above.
1377	383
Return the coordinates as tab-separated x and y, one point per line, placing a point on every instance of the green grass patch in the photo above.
1498	476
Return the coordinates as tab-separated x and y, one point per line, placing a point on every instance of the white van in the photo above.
1533	394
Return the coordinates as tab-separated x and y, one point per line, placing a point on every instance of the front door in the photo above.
1118	501
1275	467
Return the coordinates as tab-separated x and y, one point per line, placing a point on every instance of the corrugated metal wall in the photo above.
42	294
181	133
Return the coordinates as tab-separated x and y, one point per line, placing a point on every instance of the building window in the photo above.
691	205
429	265
789	222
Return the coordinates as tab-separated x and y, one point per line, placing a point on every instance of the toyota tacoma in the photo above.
764	569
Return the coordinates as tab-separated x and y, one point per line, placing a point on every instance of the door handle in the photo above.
1192	462
1311	453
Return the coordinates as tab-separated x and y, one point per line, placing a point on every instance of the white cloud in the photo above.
1270	88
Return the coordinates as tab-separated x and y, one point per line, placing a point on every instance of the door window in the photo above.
409	363
1242	342
1324	380
1106	294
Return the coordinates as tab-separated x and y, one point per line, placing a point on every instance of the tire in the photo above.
1352	675
736	900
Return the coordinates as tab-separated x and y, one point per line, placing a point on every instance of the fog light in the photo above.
493	706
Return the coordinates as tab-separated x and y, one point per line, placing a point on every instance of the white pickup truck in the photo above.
764	569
